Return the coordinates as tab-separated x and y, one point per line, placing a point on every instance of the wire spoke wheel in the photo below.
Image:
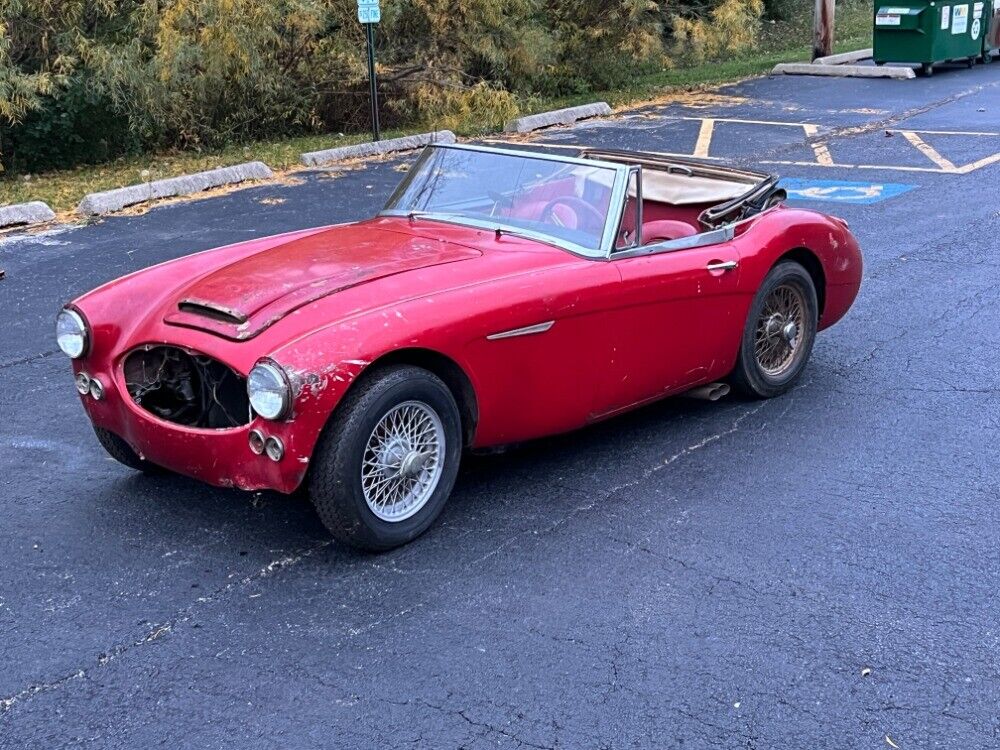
778	334
403	461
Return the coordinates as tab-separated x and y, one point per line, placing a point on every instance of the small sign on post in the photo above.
369	13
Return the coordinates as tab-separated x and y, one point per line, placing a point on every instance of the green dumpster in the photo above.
929	32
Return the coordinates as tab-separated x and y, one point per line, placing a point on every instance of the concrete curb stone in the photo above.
109	201
33	212
843	71
566	116
375	148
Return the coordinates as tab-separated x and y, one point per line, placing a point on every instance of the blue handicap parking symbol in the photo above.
842	192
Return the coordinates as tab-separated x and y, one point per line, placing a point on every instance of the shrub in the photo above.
85	80
732	26
76	126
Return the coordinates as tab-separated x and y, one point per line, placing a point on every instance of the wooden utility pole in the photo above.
823	29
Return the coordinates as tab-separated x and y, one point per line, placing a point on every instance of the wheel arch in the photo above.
814	267
446	368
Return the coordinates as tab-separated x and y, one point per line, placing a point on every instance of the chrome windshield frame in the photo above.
616	203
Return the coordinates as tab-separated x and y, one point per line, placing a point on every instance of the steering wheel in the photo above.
500	202
580	208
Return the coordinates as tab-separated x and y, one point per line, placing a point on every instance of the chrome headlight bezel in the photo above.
69	323
266	382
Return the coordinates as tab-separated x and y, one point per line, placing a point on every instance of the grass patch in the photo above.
62	190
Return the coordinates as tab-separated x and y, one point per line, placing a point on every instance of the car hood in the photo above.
244	297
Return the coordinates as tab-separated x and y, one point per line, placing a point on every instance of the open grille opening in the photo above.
190	389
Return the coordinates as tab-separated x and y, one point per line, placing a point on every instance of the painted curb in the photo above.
566	116
842	71
376	148
109	201
846	57
33	212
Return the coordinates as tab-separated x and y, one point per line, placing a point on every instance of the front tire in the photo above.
779	333
387	461
122	452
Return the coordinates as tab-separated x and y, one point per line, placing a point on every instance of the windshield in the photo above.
561	200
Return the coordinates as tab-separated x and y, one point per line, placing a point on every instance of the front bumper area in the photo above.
220	457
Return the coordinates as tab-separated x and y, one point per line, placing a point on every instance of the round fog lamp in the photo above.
83	383
96	389
274	448
256	441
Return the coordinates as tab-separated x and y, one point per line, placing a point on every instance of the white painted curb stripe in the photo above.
114	200
566	116
375	148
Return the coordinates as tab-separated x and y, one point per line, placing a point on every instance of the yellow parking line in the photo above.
704	138
819	148
927	150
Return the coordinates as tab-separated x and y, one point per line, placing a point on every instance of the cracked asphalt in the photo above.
816	571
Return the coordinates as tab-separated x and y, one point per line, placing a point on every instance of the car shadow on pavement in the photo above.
511	489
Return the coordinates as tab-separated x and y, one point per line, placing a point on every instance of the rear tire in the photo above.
779	333
387	461
122	452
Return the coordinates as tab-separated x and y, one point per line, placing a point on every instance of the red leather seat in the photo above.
663	230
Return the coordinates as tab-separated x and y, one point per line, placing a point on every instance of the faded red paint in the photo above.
327	303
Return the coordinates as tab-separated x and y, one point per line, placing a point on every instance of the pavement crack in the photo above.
733	428
39	687
161	630
856	130
27	360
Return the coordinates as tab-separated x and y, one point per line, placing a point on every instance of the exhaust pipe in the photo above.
708	392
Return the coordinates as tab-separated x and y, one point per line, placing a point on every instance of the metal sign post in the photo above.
370	14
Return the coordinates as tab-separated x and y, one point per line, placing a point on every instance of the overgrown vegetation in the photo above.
85	81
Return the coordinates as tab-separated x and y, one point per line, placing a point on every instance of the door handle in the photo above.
726	265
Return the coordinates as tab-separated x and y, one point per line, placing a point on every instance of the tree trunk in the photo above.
823	29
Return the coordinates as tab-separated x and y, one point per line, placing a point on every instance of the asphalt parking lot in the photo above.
815	571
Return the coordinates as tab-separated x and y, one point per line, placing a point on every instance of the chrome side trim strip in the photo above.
526	331
712	237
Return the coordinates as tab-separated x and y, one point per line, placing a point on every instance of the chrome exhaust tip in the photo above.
708	392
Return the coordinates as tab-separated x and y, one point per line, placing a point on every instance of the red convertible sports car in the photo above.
501	295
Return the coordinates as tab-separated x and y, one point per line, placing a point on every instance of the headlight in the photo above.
71	333
269	391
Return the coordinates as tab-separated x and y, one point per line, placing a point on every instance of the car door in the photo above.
677	323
